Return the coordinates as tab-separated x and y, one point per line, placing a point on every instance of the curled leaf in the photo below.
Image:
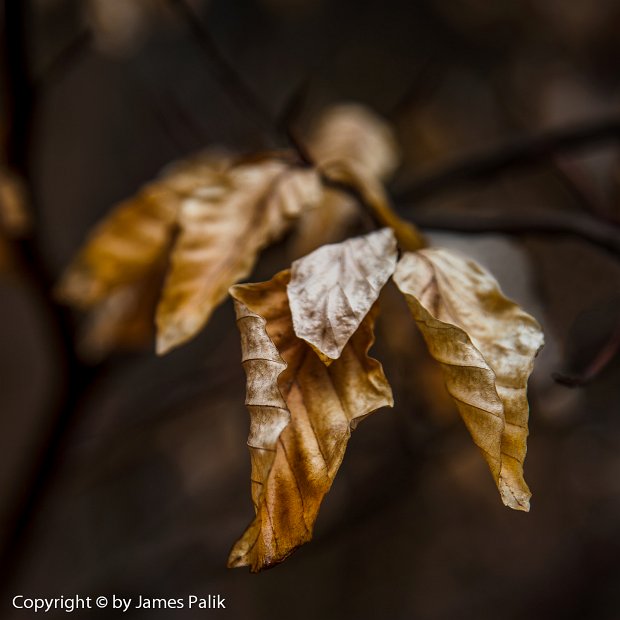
486	345
222	229
332	289
302	413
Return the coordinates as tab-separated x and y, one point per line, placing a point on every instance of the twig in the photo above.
600	361
64	60
574	224
522	153
227	76
275	131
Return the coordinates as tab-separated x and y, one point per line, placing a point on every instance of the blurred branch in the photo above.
574	224
274	131
522	153
74	378
225	74
66	58
601	360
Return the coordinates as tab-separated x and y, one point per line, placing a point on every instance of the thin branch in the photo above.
573	224
227	76
66	58
74	377
522	153
596	366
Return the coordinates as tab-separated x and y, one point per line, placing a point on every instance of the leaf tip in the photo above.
514	498
77	288
170	336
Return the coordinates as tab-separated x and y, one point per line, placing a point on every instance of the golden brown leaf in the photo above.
351	134
14	215
124	320
486	345
136	234
223	228
354	134
332	289
302	414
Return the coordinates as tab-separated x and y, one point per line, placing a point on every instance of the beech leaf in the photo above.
223	227
302	413
124	319
486	345
14	213
135	235
352	133
332	289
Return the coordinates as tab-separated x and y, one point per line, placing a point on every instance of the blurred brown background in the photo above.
152	488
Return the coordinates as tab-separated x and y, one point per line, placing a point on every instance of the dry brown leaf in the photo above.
223	228
352	134
14	215
332	289
302	413
124	320
227	210
136	234
486	345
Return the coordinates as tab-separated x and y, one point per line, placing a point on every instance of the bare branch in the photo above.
227	76
573	224
74	377
597	364
66	58
522	153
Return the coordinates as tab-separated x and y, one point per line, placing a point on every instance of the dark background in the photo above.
151	484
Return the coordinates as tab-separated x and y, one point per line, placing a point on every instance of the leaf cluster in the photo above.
172	253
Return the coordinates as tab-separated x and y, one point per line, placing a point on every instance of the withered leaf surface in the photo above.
353	133
486	345
223	228
14	215
302	413
124	320
136	234
332	289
